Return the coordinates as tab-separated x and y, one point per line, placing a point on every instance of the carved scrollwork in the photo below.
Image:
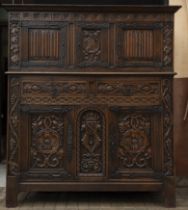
91	142
13	126
14	43
47	141
168	128
135	147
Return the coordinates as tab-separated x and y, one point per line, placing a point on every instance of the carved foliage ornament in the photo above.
91	142
168	44
135	147
13	126
47	141
168	128
14	43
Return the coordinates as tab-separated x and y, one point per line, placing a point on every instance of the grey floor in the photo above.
92	201
2	175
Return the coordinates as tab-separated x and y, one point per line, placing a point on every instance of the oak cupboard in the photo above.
90	99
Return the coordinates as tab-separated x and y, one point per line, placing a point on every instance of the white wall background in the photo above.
181	39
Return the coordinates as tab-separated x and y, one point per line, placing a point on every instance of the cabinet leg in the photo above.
170	192
11	192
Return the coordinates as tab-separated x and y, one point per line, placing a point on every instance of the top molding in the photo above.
92	8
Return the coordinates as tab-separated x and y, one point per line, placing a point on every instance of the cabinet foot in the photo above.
169	192
11	192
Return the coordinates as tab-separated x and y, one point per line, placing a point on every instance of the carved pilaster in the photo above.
14	42
168	128
13	126
168	44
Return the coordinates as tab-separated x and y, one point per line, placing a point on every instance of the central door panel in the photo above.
91	144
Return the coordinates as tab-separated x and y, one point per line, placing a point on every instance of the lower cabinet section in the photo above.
91	146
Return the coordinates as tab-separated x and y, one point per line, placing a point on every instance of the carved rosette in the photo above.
134	146
168	44
91	142
14	52
168	127
13	127
47	141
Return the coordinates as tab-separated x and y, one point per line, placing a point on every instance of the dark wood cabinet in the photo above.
90	99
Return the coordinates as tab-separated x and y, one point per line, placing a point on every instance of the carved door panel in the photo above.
139	44
135	143
91	144
92	48
43	43
47	148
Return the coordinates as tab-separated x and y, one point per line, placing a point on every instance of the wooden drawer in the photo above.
112	91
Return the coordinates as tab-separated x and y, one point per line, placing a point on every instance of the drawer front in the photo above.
57	139
118	91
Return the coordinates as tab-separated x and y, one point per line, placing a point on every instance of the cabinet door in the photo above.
47	143
135	143
91	143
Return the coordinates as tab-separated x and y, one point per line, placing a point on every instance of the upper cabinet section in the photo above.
97	39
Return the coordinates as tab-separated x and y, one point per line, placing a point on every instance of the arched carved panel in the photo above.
91	143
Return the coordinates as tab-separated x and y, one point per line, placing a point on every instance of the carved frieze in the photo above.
13	127
168	128
91	143
101	92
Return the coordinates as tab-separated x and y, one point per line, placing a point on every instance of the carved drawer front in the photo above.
92	44
47	146
139	44
135	143
91	143
130	92
118	91
43	43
